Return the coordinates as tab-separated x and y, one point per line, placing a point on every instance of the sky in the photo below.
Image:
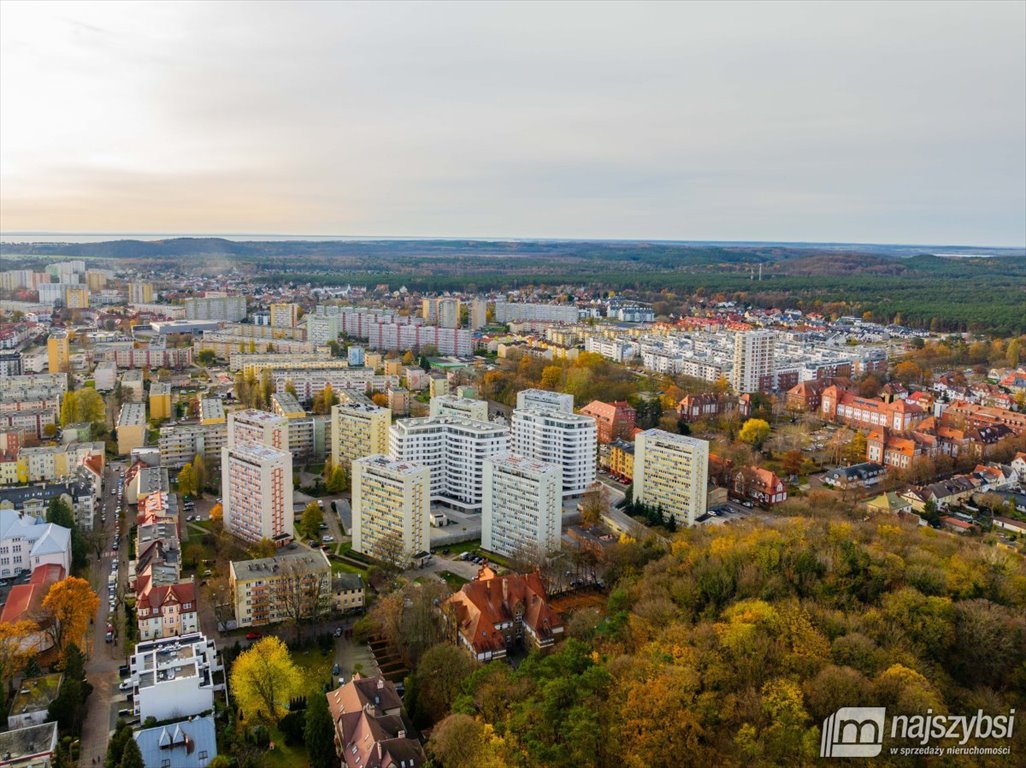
841	122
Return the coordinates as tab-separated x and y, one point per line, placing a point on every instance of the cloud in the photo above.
794	121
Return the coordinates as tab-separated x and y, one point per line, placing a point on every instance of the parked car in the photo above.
125	685
253	635
110	638
124	713
336	670
327	539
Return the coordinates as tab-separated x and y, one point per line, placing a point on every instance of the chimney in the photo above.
401	734
381	683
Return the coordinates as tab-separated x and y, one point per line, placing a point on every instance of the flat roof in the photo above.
132	415
25	742
387	463
301	561
35	693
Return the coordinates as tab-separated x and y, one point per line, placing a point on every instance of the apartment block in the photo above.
226	308
131	428
256	488
358	430
543	400
460	407
291	585
211	411
58	352
454	450
284	315
753	361
391	505
175	677
180	443
253	427
568	440
140	293
523	506
160	400
132	385
507	312
672	472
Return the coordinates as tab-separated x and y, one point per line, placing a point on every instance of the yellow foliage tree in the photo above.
264	678
754	432
15	647
70	604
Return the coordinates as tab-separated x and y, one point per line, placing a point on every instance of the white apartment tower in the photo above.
523	504
543	400
568	440
671	471
753	360
478	314
464	407
358	429
391	502
256	477
454	450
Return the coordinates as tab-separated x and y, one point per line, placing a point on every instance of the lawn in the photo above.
464	546
340	567
454	580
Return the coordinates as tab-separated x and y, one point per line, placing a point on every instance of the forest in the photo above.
924	288
731	647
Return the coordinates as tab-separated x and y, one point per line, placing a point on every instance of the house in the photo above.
1012	526
704	406
25	601
806	395
493	614
27	542
372	730
347	592
615	420
190	743
892	450
862	475
1019	465
957	525
890	503
166	610
32	700
760	486
34	746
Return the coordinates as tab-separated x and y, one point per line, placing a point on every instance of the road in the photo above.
104	658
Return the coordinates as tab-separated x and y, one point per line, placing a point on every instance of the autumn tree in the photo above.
438	680
69	605
310	522
908	372
199	472
594	504
754	432
323	401
856	450
83	405
264	548
460	741
264	679
187	481
409	619
16	648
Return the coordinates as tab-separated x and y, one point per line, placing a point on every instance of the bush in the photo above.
260	736
291	727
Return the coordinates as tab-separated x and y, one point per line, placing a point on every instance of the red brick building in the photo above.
615	420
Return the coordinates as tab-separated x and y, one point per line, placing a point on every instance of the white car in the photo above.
125	686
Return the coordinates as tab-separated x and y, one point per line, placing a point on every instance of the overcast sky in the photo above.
863	122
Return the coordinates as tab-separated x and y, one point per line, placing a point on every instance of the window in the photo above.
203	754
165	763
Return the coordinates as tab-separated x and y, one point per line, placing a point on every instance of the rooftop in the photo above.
295	562
132	415
26	742
35	694
179	745
388	464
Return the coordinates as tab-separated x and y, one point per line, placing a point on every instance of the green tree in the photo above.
206	357
116	745
438	680
187	481
131	757
855	452
319	733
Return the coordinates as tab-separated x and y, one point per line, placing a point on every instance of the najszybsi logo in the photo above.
859	732
853	732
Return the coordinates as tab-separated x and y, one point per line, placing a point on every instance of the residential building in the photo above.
154	356
358	430
863	475
34	746
987	416
621	460
256	487
543	400
478	314
253	427
76	296
840	405
33	699
759	485
615	421
160	401
321	329
132	385
284	315
347	592
225	308
292	585
105	375
372	730
175	677
508	312
188	743
355	356
671	472
438	386
494	615
707	405
58	352
140	293
131	428
568	440
523	506
399	401
454	450
391	501
211	411
285	404
460	407
25	601
167	610
180	443
753	361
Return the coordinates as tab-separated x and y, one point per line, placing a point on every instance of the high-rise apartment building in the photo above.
568	440
478	314
140	293
58	352
256	477
671	471
230	309
391	507
543	400
321	329
358	429
454	450
76	296
523	505
284	315
461	407
449	310
753	361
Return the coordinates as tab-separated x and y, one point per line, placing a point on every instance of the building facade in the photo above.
391	505
523	506
671	472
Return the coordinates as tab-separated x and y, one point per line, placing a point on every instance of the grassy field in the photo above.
454	580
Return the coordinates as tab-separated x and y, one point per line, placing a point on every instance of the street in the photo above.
104	658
